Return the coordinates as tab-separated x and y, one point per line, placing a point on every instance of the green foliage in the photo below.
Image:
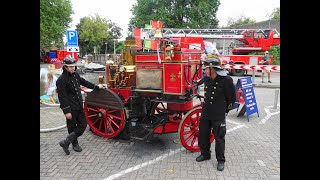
55	16
274	52
242	20
175	13
95	31
276	14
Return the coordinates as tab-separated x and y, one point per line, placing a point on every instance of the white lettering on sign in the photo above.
249	105
71	34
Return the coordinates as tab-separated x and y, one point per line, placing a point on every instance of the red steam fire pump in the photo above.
151	92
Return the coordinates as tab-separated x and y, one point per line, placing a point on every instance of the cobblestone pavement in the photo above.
252	151
252	147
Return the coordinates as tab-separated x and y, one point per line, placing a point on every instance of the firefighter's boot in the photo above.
65	143
75	146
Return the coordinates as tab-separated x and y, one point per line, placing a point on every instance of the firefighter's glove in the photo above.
96	88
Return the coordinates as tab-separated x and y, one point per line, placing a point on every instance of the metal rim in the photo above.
103	121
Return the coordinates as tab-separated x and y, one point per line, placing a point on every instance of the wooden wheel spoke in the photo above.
91	109
95	121
110	126
193	141
113	116
92	115
101	124
111	120
187	132
188	138
188	125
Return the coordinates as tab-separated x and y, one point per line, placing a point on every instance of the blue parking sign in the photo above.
72	38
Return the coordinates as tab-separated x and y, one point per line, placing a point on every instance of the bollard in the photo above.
276	98
253	76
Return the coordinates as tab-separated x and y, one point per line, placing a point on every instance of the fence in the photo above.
101	58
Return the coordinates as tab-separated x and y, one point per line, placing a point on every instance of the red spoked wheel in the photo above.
103	121
161	108
189	130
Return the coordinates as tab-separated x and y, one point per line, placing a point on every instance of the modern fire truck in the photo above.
58	55
251	40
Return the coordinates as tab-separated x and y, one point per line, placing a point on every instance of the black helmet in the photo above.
212	62
69	61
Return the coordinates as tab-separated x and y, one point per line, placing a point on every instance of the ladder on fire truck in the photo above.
247	36
208	33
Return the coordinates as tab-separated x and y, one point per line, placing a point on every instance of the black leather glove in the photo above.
96	87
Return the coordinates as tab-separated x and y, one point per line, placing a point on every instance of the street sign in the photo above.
73	49
72	38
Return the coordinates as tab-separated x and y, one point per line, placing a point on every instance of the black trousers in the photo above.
219	131
78	123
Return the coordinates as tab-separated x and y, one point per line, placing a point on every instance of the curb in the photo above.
266	86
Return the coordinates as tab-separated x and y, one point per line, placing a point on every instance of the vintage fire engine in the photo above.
151	92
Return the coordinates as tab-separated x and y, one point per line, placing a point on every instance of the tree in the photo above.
175	13
55	16
242	20
95	31
274	51
276	14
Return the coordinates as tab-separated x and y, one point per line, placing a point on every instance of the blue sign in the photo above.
72	38
250	103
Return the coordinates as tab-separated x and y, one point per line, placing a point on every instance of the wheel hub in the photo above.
102	113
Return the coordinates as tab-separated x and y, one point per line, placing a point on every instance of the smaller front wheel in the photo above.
189	130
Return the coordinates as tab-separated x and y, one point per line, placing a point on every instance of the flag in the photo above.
147	43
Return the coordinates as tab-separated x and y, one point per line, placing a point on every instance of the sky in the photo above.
118	11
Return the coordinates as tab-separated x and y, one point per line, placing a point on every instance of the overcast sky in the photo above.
118	11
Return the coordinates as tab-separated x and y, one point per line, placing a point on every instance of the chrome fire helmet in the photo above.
214	62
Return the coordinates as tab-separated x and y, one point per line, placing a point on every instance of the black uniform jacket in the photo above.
219	97
69	93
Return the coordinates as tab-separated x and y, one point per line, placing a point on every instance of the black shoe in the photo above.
202	158
76	147
269	82
220	166
65	146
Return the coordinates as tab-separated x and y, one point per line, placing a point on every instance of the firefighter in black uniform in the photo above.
71	103
219	98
